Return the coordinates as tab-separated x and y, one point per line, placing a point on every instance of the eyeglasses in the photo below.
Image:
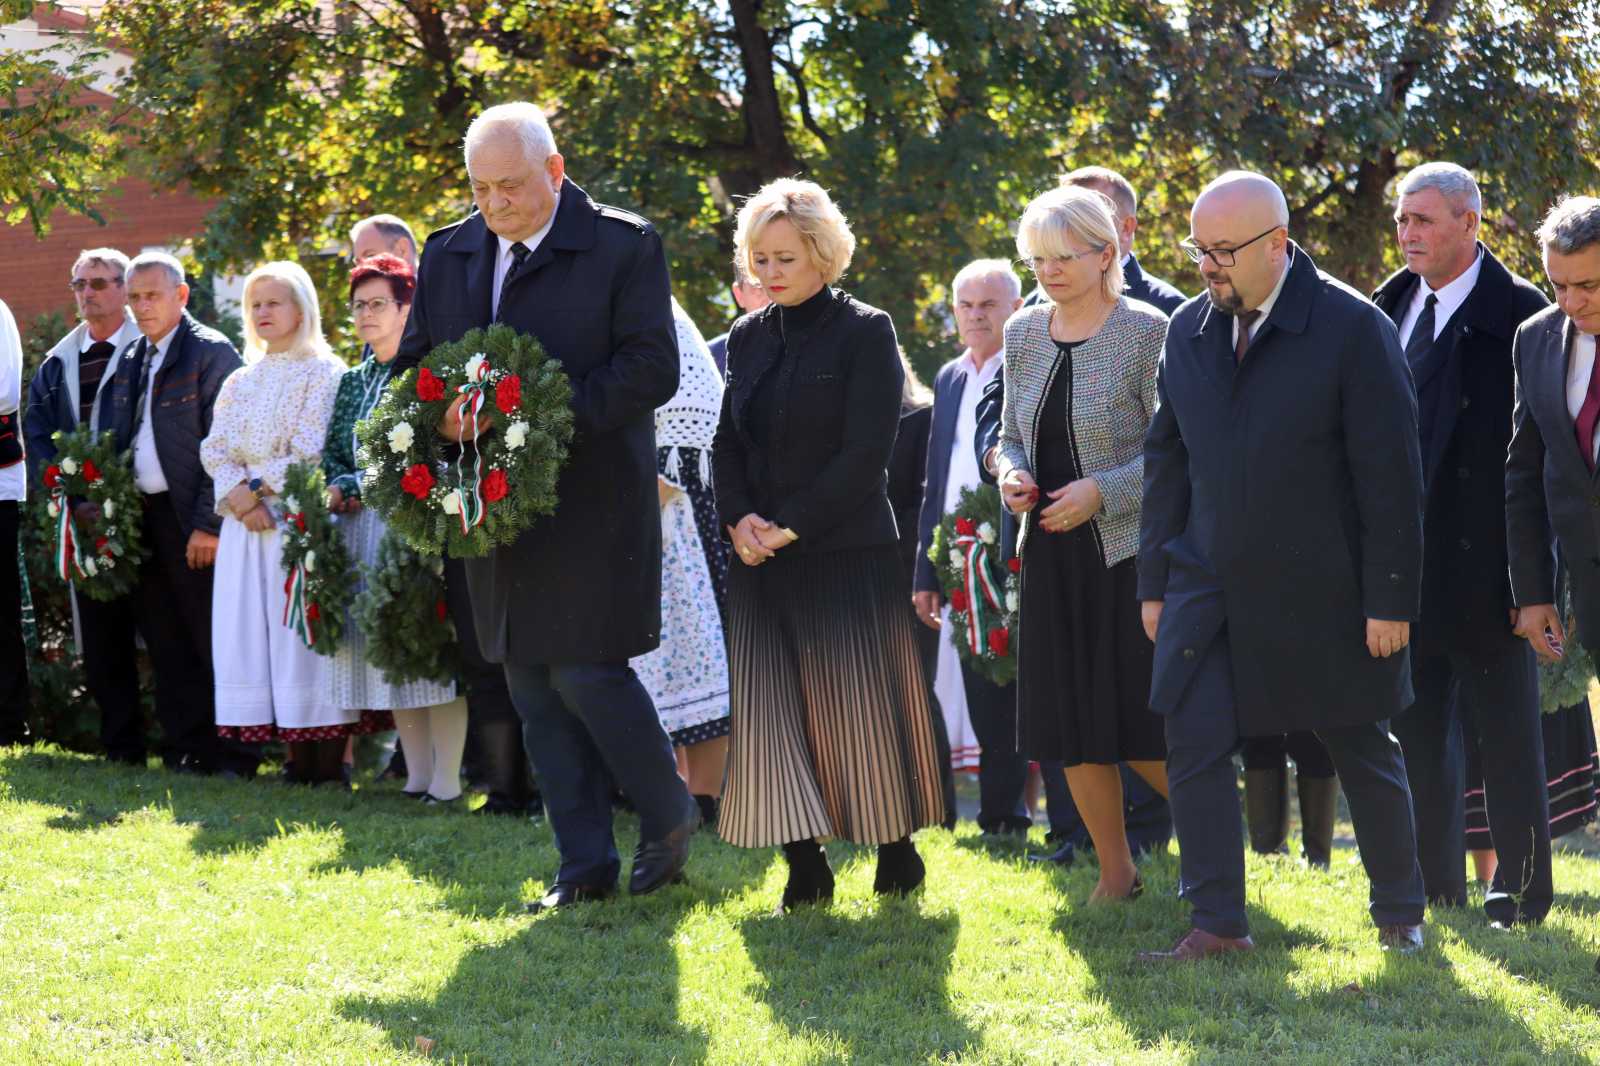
376	306
1223	257
97	284
1037	263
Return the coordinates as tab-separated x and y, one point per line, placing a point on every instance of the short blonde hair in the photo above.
806	205
304	294
1076	213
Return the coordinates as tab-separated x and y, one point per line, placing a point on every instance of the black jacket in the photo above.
838	412
583	585
986	437
907	463
1466	592
1283	499
198	361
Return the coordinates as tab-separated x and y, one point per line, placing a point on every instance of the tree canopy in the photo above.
931	121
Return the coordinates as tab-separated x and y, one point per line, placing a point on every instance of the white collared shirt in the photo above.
147	472
13	479
964	472
1579	367
504	259
1449	300
1265	308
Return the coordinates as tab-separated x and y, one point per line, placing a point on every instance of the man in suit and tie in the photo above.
1136	284
1280	553
158	404
984	293
1457	309
568	603
749	296
1552	494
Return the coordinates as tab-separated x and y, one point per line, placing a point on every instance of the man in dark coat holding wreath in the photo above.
568	603
1280	552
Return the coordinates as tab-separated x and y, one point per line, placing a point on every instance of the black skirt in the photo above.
1083	660
1572	773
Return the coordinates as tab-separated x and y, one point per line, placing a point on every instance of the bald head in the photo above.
1240	221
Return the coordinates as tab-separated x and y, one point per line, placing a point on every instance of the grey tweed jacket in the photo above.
1113	400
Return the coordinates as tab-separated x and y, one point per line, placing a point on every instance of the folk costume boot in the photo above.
1266	809
900	869
1319	802
810	876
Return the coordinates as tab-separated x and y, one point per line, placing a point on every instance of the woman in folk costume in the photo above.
431	718
271	414
687	676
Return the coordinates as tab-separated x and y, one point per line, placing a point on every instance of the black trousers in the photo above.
1203	734
1002	770
1495	694
13	654
494	731
111	671
1310	755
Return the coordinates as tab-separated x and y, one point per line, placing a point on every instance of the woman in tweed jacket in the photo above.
1080	383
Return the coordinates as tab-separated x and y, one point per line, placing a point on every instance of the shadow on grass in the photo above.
1546	954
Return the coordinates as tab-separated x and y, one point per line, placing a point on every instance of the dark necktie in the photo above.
1421	340
142	390
1246	320
519	256
1589	414
91	368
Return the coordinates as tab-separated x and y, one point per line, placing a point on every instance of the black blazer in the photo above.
584	584
908	463
198	361
1551	496
985	438
1466	592
839	385
947	388
1283	498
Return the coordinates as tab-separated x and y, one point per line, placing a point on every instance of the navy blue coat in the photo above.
582	585
985	438
1284	499
1466	592
198	361
1136	285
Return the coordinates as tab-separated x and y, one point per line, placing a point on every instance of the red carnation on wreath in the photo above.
418	480
429	387
958	600
313	613
1000	641
101	545
91	473
299	521
52	476
495	486
966	527
508	393
1014	564
440	610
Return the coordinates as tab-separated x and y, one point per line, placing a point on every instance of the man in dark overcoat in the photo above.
1280	555
575	597
1457	309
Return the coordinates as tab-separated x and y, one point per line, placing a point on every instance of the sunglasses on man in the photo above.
97	284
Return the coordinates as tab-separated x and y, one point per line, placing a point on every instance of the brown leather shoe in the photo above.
1198	944
1405	939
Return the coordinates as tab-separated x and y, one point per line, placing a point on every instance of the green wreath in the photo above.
404	616
469	497
101	559
319	576
1566	681
983	593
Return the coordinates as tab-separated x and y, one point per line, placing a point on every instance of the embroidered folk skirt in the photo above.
832	735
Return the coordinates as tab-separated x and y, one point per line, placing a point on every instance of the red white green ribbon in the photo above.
294	605
69	553
472	509
983	595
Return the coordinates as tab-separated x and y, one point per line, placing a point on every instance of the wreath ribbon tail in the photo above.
69	553
294	605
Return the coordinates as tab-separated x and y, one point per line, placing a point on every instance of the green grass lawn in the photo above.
147	918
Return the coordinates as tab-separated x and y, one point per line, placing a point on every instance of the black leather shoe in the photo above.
661	862
900	869
567	894
810	876
494	806
1062	854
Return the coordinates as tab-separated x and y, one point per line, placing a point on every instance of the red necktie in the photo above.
1589	414
1246	320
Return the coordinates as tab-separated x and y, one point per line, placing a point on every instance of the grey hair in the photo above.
525	120
1454	182
158	261
987	268
393	227
106	257
1571	226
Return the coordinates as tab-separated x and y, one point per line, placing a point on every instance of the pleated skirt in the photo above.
832	732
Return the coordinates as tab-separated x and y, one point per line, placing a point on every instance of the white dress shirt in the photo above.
1579	368
504	259
964	473
147	472
1449	300
13	479
1265	308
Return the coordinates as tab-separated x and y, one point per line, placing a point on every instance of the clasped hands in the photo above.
253	514
1071	505
757	540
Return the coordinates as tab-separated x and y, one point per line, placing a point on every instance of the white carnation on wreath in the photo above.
474	364
309	562
400	438
89	568
108	509
1013	601
451	503
292	504
107	563
69	466
516	434
54	509
986	533
956	558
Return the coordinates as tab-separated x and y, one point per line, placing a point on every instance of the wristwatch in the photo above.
257	489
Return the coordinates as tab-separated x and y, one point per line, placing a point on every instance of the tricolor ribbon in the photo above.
472	510
69	553
294	605
978	583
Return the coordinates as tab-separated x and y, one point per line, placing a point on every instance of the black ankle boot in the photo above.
900	869
810	876
1319	804
708	811
1266	809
